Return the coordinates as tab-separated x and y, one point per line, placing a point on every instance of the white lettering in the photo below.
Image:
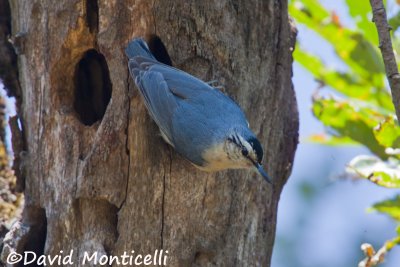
147	259
26	253
103	260
165	257
136	260
158	258
116	259
89	259
124	259
68	259
53	259
41	260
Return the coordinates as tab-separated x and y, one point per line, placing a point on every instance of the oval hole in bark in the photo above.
35	217
158	49
92	87
92	15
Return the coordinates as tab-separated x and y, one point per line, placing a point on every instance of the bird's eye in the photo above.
245	152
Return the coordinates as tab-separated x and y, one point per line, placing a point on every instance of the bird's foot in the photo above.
216	84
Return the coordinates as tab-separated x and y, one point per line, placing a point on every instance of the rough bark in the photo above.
109	183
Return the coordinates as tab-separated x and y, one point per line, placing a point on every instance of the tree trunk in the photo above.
97	175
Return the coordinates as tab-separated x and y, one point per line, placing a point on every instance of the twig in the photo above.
373	258
385	44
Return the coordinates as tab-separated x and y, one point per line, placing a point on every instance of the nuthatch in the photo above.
201	123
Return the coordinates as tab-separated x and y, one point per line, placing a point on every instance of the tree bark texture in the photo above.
97	175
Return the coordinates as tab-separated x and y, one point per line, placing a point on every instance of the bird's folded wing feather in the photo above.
166	89
158	99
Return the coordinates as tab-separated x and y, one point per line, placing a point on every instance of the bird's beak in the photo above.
260	169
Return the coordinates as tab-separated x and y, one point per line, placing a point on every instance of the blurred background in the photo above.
322	215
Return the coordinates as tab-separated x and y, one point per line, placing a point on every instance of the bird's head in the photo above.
245	150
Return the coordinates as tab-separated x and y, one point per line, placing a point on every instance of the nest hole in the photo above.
92	87
35	218
158	49
92	15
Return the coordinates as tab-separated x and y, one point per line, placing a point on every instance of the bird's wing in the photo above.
180	83
158	99
211	101
175	99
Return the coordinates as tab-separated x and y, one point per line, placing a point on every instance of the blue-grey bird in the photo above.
201	123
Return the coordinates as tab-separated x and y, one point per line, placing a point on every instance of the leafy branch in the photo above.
361	109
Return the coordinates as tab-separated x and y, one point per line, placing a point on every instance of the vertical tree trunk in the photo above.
99	178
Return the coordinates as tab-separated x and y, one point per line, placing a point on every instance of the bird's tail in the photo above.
138	47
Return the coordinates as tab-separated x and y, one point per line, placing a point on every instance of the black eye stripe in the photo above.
235	139
256	146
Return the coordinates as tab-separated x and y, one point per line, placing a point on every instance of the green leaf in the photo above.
311	8
386	178
351	46
362	14
389	207
383	173
396	47
392	243
394	21
351	120
349	84
330	140
366	54
388	133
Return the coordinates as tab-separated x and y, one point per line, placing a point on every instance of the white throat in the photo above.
225	155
